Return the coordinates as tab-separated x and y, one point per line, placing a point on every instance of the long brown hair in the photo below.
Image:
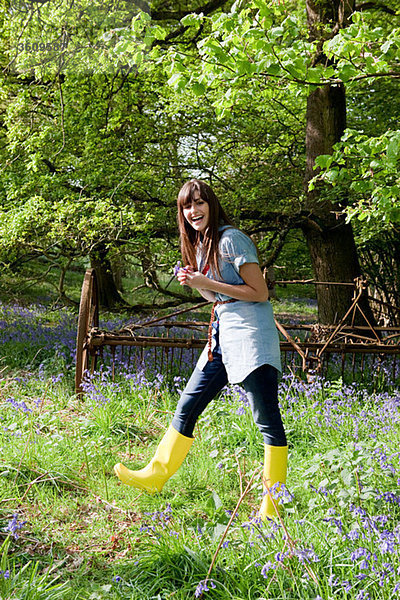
190	238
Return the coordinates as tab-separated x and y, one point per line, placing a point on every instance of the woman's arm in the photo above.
210	296
254	288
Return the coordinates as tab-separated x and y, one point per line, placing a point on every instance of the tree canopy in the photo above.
107	108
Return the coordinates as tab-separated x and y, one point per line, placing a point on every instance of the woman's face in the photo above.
197	214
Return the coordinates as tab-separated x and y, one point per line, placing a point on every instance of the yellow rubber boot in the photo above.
275	467
169	456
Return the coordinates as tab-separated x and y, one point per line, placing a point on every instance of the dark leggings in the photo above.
261	388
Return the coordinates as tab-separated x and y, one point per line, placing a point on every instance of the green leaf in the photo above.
276	32
270	68
198	89
392	151
178	81
217	500
324	161
386	46
347	72
245	66
264	9
192	19
395	215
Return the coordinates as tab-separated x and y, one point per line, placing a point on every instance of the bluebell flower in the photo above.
266	568
346	585
203	587
19	405
363	595
306	555
360	553
280	556
177	267
14	526
333	580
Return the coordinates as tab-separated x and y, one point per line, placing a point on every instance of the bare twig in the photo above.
62	118
233	515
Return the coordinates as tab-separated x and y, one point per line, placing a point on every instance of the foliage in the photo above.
26	581
263	44
98	134
97	167
368	166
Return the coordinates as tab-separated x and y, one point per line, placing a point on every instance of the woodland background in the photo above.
107	108
290	111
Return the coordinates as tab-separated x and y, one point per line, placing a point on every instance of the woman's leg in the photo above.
201	388
262	390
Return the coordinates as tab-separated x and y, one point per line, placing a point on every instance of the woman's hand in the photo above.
254	288
188	276
194	279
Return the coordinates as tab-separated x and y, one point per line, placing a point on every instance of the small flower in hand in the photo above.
177	267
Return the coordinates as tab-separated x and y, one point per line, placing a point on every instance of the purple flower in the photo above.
337	522
177	267
333	581
280	556
203	587
389	497
19	405
363	595
306	555
266	568
13	526
57	378
346	585
359	553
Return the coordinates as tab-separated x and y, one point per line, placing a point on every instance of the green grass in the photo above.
83	535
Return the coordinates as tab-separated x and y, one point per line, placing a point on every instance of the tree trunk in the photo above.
330	240
109	297
334	258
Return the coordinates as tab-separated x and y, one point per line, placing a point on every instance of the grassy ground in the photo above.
69	530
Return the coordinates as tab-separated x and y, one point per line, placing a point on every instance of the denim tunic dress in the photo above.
244	332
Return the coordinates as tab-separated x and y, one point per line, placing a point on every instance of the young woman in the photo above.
243	345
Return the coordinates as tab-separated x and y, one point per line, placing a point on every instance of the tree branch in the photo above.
375	6
206	9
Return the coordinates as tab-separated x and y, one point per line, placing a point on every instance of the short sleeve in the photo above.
237	248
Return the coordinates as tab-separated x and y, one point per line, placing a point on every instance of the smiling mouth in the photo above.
196	219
